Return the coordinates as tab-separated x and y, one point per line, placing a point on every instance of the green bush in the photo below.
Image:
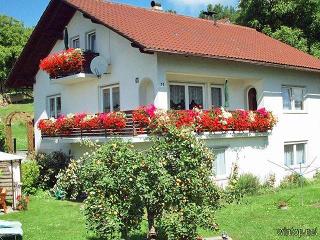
248	184
232	192
69	181
293	180
50	165
2	138
113	206
30	177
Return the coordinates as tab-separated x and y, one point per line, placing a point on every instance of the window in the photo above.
294	154
186	96
91	41
252	99
54	106
111	99
75	42
216	96
293	98
220	163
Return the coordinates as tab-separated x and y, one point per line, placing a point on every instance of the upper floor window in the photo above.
91	41
186	96
294	153
216	96
75	42
54	106
293	98
111	98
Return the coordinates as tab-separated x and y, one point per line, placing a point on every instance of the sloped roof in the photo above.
154	31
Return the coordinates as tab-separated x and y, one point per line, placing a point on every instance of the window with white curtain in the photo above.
75	42
219	167
293	98
294	153
216	96
111	99
186	96
91	41
54	106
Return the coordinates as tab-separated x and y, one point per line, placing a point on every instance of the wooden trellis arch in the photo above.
28	119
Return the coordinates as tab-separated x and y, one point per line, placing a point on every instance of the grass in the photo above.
18	127
257	218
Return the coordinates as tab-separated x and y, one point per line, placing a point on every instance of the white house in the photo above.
163	58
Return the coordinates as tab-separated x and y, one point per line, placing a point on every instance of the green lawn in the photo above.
18	128
257	218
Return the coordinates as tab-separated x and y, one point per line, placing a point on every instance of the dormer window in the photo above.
91	41
75	42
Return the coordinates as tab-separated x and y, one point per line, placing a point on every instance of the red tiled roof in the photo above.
166	32
154	31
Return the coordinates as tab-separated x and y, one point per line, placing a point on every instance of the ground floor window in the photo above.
219	167
54	106
294	153
111	98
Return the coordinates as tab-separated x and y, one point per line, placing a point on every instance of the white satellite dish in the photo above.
99	66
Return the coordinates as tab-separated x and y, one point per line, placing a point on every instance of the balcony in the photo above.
69	67
137	125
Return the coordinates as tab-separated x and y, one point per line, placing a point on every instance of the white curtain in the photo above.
220	162
286	97
288	155
216	97
106	100
177	97
300	153
116	99
195	96
297	95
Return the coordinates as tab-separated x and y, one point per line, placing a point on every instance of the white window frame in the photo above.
55	97
111	96
88	41
210	94
295	163
72	41
293	109
186	92
221	176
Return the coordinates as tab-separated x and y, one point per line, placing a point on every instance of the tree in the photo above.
221	11
177	190
13	37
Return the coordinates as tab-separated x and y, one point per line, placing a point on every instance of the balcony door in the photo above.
252	99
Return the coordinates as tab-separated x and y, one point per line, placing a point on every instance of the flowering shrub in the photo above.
63	63
64	124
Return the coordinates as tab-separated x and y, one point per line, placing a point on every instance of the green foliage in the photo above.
113	206
248	184
50	165
2	138
179	169
232	192
30	176
69	181
293	180
13	36
295	22
222	12
293	37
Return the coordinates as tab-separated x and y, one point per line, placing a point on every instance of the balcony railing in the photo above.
124	125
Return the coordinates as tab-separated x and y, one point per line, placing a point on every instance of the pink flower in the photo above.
151	109
263	112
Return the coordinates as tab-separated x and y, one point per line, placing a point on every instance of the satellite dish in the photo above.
99	66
